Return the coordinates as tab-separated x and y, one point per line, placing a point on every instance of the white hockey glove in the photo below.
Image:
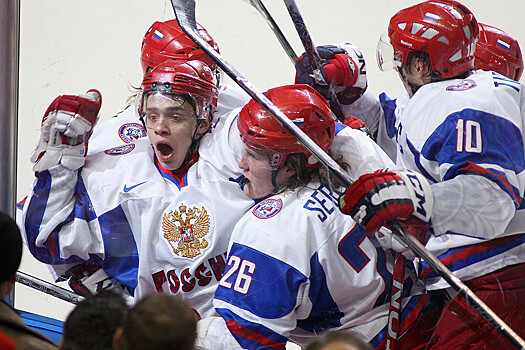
388	240
66	128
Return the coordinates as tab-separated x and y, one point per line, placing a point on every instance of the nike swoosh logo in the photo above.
127	189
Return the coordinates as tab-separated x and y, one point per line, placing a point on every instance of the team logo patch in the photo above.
131	132
184	229
118	151
267	208
466	84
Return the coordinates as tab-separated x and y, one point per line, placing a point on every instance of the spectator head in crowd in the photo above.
158	321
93	322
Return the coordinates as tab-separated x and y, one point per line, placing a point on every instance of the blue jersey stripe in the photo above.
50	252
389	108
251	335
120	249
459	258
273	288
501	144
325	313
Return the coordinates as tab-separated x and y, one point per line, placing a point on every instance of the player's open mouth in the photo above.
164	149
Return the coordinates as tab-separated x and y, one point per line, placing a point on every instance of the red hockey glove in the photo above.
340	70
66	128
343	69
377	199
356	123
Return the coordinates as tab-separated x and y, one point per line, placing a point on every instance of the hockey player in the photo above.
495	51
462	130
150	212
163	41
296	265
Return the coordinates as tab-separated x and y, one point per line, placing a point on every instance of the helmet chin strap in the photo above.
194	142
274	183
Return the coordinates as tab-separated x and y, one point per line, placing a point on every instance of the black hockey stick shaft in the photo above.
48	288
311	51
185	15
259	6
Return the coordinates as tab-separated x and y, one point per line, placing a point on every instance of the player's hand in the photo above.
344	69
86	279
388	240
66	127
387	196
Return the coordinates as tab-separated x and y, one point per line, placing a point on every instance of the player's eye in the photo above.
152	118
175	118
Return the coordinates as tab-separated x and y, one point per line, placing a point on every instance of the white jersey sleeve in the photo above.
359	151
368	109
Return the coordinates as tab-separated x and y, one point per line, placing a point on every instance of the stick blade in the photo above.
185	13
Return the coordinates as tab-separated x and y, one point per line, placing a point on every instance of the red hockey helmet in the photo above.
304	106
166	40
192	78
444	29
499	52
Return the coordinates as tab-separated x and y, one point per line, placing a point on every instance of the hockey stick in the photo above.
48	288
259	6
185	15
399	265
313	55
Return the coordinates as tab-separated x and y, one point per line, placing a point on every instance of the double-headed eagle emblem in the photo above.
185	228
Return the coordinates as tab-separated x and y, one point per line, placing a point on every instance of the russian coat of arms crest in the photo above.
184	229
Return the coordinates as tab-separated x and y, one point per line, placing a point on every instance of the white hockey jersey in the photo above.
150	229
449	131
297	266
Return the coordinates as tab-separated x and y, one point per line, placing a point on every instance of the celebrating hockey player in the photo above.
164	41
462	130
296	265
495	51
152	214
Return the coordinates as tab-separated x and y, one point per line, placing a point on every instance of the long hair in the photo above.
305	176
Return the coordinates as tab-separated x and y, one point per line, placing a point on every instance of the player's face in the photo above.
171	124
258	173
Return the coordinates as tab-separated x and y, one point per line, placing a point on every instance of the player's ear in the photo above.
288	172
204	126
60	344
